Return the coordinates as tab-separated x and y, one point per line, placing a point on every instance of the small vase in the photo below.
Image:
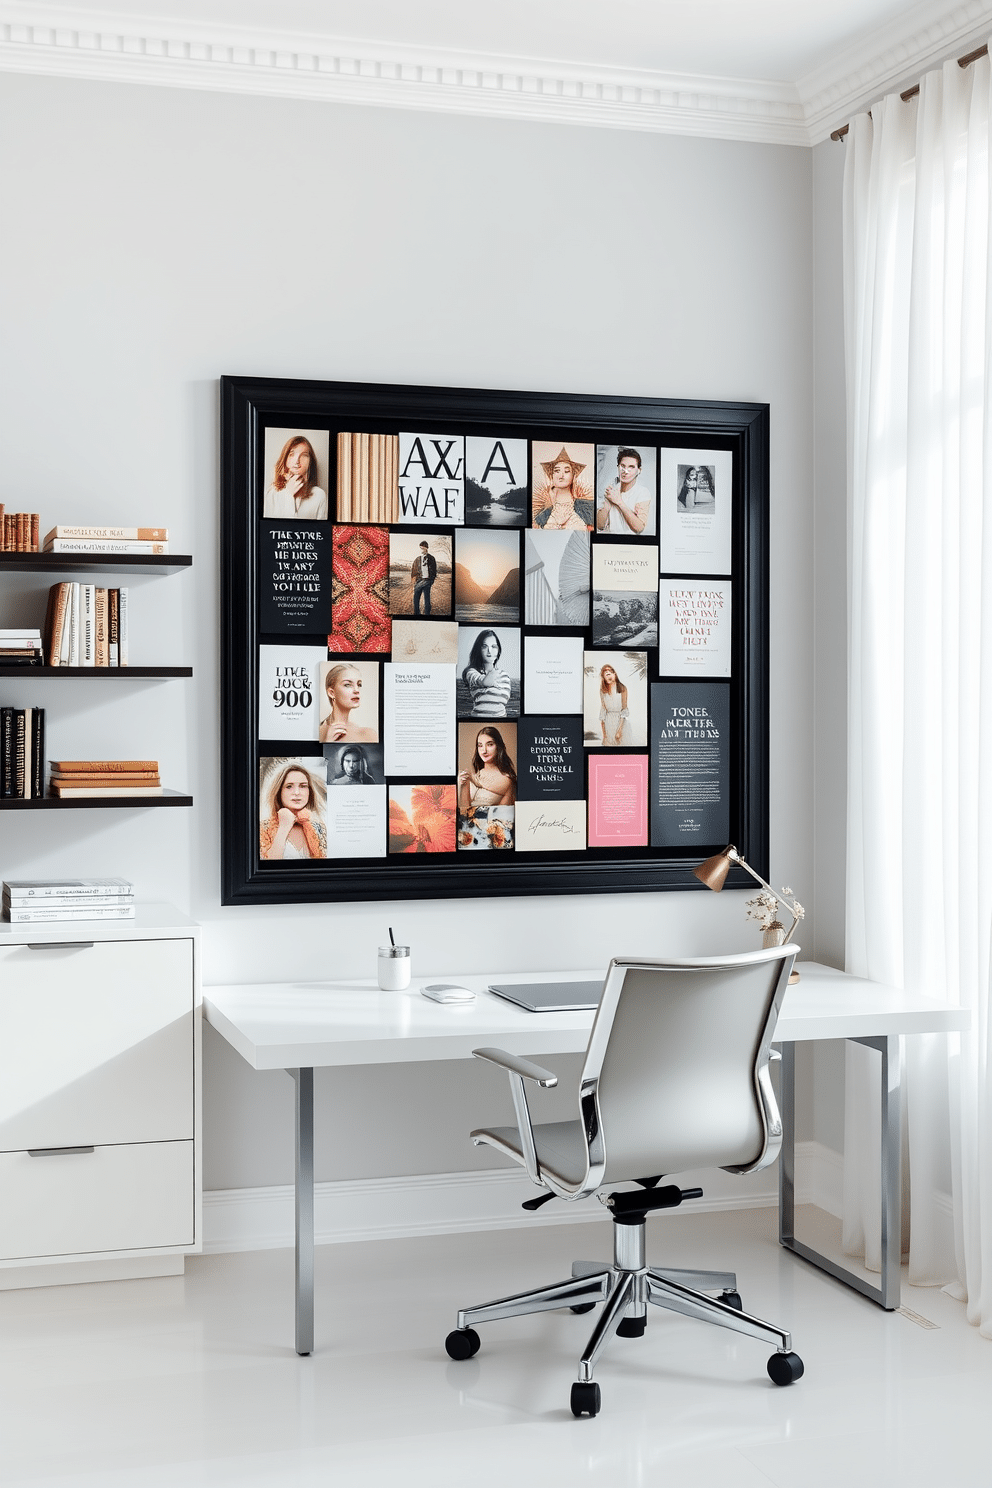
773	936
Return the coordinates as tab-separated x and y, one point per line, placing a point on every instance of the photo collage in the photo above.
502	644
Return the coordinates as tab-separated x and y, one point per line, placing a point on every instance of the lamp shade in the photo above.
713	873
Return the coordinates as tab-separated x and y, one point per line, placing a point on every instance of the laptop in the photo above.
551	997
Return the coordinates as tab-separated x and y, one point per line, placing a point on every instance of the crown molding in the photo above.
39	39
57	41
890	58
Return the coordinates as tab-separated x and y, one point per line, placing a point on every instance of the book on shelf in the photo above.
105	767
22	754
87	625
113	627
104	545
28	890
18	531
101	656
17	915
75	792
91	782
102	534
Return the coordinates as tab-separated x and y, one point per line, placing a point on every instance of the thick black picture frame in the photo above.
248	404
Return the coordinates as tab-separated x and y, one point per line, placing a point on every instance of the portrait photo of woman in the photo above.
487	775
615	710
354	764
563	502
292	810
349	702
488	681
697	489
297	462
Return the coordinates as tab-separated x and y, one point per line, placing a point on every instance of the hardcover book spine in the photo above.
35	525
122	629
100	626
72	897
40	916
7	745
19	762
3	534
113	627
87	643
37	753
115	534
63	594
104	767
73	627
103	545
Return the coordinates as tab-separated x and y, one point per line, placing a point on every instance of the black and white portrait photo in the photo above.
697	489
626	488
354	764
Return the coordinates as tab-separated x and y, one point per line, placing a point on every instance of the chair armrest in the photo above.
525	1068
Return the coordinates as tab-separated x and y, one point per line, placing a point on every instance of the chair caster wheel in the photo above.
732	1299
582	1307
585	1399
785	1369
465	1343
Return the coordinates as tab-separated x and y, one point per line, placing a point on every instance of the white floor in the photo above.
193	1381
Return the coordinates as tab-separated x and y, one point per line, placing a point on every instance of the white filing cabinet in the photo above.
99	1099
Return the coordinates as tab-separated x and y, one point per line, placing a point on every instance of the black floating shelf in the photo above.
63	803
27	672
164	563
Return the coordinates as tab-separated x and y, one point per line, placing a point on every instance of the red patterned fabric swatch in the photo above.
360	591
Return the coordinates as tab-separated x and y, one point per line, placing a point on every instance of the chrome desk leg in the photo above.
887	1293
303	1079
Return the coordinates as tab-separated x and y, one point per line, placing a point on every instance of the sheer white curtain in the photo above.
919	895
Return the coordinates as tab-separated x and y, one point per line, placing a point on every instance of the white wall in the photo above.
156	239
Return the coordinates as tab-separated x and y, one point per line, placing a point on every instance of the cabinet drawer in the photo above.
114	1198
96	1043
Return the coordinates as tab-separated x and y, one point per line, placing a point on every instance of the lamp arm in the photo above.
742	863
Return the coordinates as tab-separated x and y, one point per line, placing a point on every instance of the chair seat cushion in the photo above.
561	1150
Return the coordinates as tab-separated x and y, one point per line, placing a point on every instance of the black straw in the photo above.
392	942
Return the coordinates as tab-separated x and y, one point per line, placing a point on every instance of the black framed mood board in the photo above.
484	642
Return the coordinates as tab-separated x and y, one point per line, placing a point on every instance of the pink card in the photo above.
618	800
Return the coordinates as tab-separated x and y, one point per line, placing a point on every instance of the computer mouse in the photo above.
447	992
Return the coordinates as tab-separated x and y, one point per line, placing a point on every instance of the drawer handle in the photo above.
61	945
58	1151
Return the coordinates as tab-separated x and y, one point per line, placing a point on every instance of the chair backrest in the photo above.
675	1075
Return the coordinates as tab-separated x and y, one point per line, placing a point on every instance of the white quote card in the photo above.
419	719
356	822
551	826
288	681
694	637
553	674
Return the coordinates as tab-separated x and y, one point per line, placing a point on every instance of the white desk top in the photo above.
286	1025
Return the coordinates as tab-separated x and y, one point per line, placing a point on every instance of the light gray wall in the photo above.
155	239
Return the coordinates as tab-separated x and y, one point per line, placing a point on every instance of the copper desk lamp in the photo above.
713	873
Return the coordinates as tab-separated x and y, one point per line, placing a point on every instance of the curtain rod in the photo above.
965	61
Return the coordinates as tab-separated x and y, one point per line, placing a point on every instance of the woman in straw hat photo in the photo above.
563	503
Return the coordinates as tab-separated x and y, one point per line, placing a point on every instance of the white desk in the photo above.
300	1026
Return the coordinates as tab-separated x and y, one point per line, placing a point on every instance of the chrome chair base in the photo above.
626	1288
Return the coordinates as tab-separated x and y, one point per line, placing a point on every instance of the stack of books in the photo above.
122	540
18	531
21	647
86	626
22	754
29	901
79	779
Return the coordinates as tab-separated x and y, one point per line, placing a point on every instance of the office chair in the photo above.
675	1078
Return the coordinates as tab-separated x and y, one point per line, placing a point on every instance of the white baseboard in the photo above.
489	1199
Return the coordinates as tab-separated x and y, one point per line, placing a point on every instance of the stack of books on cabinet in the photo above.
88	779
86	626
22	754
37	901
21	646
